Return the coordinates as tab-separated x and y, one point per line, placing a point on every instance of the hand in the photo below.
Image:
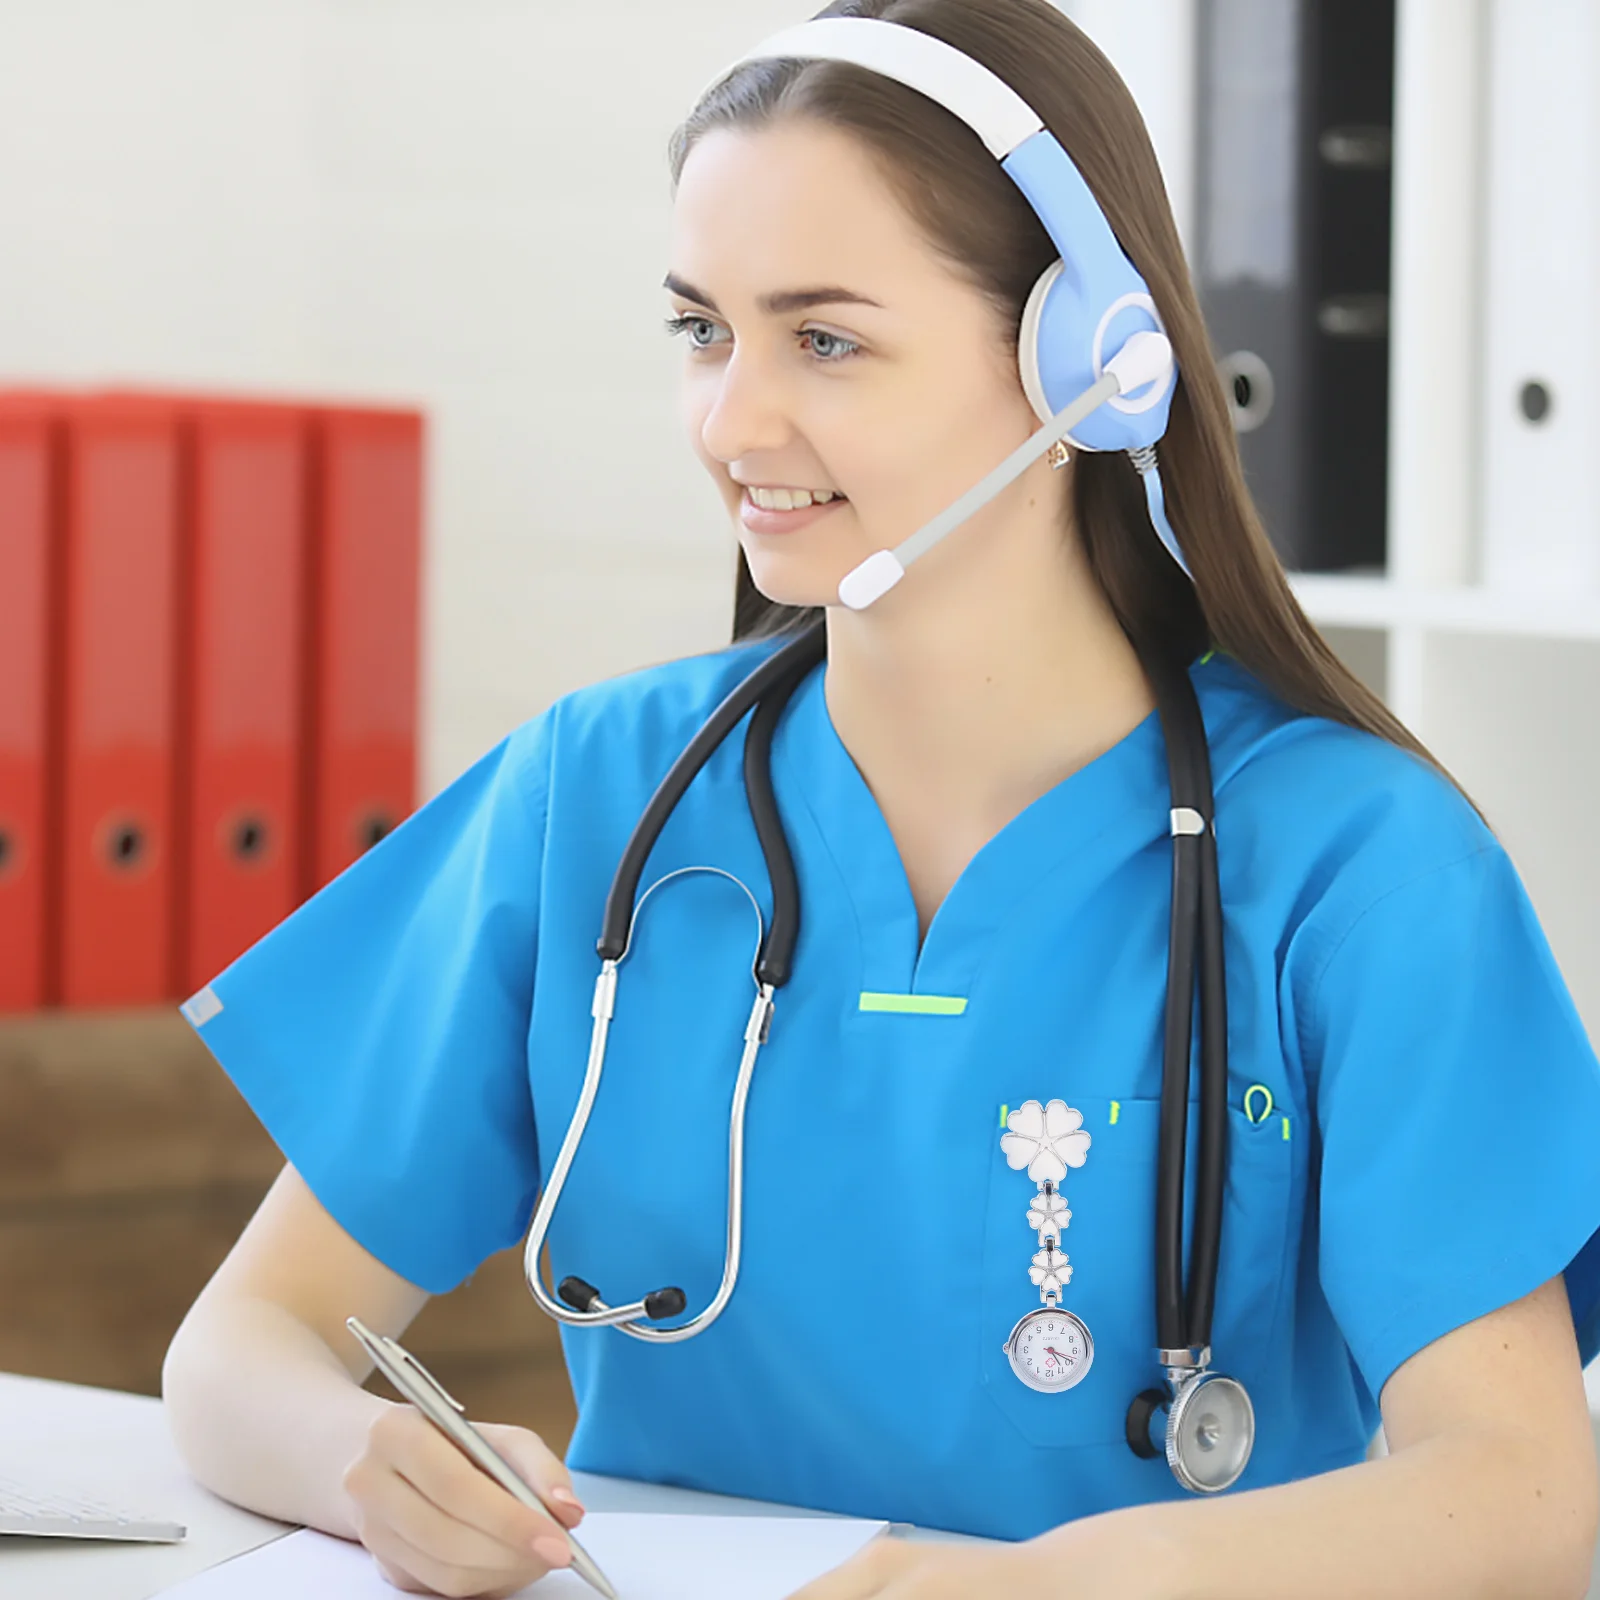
436	1524
893	1569
1104	1557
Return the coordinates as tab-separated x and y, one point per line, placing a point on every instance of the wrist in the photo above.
345	1444
1130	1554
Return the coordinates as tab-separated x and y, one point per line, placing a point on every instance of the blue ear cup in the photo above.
1083	307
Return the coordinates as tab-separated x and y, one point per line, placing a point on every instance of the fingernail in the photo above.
562	1493
552	1551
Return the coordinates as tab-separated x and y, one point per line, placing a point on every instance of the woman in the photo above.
974	791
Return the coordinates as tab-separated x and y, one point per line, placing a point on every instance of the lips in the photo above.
758	519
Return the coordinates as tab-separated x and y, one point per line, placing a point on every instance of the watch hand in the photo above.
1050	1349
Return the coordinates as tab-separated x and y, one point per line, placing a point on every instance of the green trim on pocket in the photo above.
914	1005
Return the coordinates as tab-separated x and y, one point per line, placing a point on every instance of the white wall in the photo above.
457	203
1152	44
462	205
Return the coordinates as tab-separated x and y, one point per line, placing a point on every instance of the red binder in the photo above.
27	609
118	701
366	540
245	490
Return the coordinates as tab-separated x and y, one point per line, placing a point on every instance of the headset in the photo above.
1092	351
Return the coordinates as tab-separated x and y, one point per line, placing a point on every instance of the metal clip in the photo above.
1185	819
1184	1366
427	1378
760	1023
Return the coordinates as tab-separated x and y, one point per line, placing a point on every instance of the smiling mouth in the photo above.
790	499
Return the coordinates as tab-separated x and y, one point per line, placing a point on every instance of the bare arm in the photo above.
262	1380
1490	1493
262	1386
1490	1489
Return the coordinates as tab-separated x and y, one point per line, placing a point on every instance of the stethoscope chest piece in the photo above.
1210	1431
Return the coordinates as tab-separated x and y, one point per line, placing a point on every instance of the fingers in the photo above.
864	1576
538	1465
416	1571
430	1516
439	1472
892	1569
392	1501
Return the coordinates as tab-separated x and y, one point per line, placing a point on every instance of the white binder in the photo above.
1540	421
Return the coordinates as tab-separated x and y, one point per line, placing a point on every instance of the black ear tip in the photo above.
579	1295
665	1303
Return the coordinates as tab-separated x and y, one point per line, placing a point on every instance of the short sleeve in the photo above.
380	1031
1458	1102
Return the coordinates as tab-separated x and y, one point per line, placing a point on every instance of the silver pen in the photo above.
447	1414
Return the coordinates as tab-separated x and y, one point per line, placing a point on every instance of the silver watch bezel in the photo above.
1077	1376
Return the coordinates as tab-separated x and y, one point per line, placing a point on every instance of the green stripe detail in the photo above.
916	1005
1207	656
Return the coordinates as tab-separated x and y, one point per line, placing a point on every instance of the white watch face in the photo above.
1050	1350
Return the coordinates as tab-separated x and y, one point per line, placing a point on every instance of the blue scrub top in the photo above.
414	1038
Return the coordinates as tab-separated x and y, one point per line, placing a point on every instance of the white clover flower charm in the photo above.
1048	1214
1045	1139
1050	1348
1050	1271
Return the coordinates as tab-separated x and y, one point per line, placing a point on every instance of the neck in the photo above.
984	682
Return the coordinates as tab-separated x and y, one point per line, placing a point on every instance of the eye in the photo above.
693	326
829	347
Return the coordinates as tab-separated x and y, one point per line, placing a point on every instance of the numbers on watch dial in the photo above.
1050	1350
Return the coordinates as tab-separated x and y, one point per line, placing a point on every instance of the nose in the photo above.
748	413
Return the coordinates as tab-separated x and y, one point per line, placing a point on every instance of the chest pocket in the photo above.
1110	1244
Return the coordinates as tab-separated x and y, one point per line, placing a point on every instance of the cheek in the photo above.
883	467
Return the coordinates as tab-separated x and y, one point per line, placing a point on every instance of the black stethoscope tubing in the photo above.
1194	955
768	689
1196	932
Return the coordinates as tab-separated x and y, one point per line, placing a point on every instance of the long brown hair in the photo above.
1240	601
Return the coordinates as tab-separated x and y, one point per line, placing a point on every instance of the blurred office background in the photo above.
462	206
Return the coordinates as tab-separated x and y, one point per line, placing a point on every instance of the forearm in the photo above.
1462	1516
264	1414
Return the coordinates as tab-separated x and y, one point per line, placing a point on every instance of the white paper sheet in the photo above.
647	1556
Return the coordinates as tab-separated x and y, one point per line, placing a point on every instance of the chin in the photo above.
788	580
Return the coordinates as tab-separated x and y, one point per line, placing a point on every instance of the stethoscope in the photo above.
1210	1425
1090	325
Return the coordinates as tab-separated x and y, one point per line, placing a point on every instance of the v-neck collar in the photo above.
1125	784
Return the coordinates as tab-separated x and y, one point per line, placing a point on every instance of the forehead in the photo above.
794	203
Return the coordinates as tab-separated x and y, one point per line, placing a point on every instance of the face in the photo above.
828	349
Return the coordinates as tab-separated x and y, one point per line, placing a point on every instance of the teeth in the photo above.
790	499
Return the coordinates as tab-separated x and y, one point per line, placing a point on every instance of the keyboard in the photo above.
72	1516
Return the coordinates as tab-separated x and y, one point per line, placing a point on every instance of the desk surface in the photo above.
115	1447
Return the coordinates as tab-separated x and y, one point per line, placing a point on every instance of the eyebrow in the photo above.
779	301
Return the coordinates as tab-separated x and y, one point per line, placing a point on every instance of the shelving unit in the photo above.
1384	603
1502	684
